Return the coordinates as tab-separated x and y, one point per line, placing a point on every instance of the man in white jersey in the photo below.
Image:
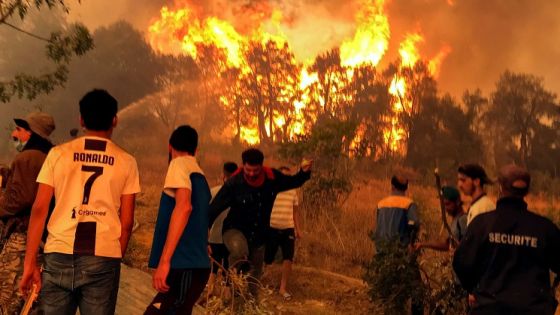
94	183
471	180
284	229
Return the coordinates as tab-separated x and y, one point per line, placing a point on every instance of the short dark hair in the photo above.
252	156
184	139
515	181
475	171
230	168
400	183
451	193
98	109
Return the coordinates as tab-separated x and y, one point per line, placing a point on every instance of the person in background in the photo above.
284	230
398	223
454	208
31	139
250	195
471	180
218	250
504	260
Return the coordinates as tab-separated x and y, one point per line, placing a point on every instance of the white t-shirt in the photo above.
282	216
215	236
178	174
482	205
89	175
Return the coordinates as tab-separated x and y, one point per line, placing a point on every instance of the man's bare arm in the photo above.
439	245
127	220
177	224
39	213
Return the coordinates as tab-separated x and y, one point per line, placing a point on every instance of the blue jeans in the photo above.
71	281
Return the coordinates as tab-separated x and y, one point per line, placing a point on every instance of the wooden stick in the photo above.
29	301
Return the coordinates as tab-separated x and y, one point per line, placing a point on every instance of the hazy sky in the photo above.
486	36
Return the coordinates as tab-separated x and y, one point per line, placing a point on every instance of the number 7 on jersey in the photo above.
97	171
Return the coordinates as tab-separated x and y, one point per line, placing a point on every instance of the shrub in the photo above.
393	277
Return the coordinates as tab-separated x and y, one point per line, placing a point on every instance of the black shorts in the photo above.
219	254
285	239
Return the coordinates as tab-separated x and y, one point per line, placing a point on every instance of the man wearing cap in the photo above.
31	140
398	221
397	215
454	208
471	179
506	255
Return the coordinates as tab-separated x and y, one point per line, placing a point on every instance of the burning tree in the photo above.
275	98
270	88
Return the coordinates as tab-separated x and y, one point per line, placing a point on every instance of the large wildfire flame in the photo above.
182	31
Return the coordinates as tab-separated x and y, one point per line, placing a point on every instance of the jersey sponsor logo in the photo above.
513	239
94	158
88	212
92	213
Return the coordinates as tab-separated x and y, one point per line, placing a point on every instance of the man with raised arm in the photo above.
250	195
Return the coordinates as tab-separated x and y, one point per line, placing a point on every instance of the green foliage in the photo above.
326	145
524	117
393	277
125	64
60	48
447	296
441	136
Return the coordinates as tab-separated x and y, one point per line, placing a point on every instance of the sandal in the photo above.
286	296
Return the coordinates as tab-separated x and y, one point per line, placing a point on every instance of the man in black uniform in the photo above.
506	256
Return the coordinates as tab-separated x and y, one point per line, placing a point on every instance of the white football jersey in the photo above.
89	176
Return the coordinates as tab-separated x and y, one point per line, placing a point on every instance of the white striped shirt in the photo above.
282	216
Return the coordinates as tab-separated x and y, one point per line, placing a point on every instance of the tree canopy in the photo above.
60	47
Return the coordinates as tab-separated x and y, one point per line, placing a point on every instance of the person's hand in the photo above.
159	279
418	245
472	300
297	233
306	165
31	276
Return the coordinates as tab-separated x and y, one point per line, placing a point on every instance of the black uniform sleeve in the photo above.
553	250
287	182
466	261
221	202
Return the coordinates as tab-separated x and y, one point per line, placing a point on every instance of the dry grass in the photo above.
338	242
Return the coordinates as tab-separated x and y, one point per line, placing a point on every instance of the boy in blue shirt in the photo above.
179	249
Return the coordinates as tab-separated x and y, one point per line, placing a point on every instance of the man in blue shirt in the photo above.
398	221
179	249
397	215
